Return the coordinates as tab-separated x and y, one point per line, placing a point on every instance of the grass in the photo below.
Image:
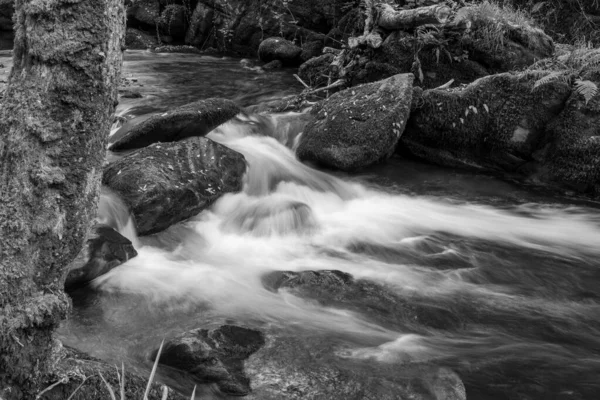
493	22
121	378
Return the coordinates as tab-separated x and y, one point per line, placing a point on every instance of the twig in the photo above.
39	395
301	81
336	84
445	85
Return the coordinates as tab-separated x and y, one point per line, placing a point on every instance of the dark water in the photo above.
514	268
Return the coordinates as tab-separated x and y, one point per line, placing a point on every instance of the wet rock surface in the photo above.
360	126
166	183
104	250
286	369
338	289
193	119
215	355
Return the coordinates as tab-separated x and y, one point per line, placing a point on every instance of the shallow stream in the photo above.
517	266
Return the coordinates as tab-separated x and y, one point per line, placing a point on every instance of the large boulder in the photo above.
174	21
165	183
144	12
105	249
194	119
215	355
495	123
332	288
358	127
571	155
276	48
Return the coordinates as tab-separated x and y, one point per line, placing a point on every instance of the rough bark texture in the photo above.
54	125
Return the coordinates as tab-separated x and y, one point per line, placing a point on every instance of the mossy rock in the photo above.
495	123
316	71
166	183
358	127
279	49
139	40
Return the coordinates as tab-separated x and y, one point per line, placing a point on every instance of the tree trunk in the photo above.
54	124
390	19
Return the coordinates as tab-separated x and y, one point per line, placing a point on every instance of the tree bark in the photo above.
390	19
54	124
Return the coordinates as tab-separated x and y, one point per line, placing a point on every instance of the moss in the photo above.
497	122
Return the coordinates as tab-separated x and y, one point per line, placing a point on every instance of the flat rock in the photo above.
166	183
193	119
360	126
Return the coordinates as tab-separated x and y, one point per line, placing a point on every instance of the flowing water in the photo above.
516	266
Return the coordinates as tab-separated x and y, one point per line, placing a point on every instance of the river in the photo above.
517	266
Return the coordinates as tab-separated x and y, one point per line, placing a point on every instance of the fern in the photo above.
562	76
587	89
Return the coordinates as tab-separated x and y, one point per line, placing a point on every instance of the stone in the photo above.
311	49
495	123
275	64
193	119
215	355
332	288
173	21
275	48
360	126
139	40
146	12
105	249
166	183
316	71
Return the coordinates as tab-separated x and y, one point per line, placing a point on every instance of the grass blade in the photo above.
165	393
110	390
151	378
78	387
193	393
122	381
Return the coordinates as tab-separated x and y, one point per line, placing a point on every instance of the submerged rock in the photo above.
166	183
496	123
275	64
338	289
104	250
358	127
215	355
297	368
193	119
279	49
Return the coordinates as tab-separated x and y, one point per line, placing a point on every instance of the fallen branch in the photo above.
336	84
445	85
390	19
301	81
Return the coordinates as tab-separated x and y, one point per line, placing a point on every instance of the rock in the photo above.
104	250
201	25
193	119
138	40
315	72
177	49
173	21
311	49
145	12
166	183
571	154
215	355
375	302
495	123
7	9
275	64
279	49
358	127
130	94
293	367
